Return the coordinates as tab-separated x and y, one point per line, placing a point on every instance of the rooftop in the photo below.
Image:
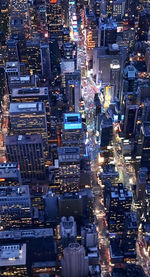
28	233
23	139
15	191
27	92
32	107
12	255
68	154
9	170
72	121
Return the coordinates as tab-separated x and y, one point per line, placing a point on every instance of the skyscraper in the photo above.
74	262
45	60
73	133
29	118
28	152
69	168
15	207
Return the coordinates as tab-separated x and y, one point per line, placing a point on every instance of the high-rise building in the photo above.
12	50
145	137
29	118
54	18
68	230
78	204
10	174
69	168
45	60
147	59
74	262
28	152
91	29
73	133
106	132
118	9
33	57
15	207
73	90
108	63
13	259
131	113
118	202
12	69
107	32
33	94
130	76
89	236
130	236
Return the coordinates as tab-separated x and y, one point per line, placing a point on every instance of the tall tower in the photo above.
74	262
45	60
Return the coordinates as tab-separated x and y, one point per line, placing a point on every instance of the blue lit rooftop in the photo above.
72	121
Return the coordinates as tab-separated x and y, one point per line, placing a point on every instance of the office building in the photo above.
79	205
29	118
68	230
147	59
45	60
28	152
89	236
141	183
33	94
12	50
130	76
118	9
74	261
131	114
15	207
54	18
107	32
145	149
106	132
73	133
130	236
12	69
21	81
73	90
91	29
118	202
69	168
13	260
10	174
108	64
33	57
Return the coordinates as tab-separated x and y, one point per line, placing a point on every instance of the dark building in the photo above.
10	174
15	207
79	205
73	90
145	137
106	132
118	201
107	32
28	152
45	60
130	236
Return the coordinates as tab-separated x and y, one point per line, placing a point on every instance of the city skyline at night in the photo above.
75	138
